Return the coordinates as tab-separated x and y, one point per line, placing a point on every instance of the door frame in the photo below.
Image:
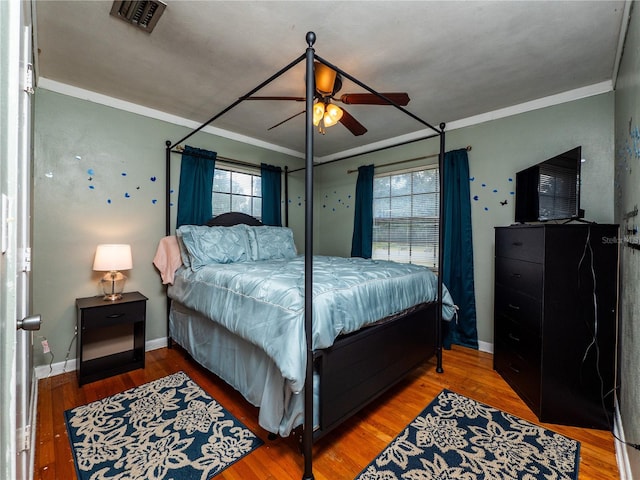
17	381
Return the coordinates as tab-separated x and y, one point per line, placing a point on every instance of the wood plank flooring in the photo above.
341	454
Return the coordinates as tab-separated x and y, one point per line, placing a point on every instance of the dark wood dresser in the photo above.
555	318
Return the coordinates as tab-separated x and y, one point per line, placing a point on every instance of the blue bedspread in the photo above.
263	302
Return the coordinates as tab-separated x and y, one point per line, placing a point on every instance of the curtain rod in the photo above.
433	155
180	149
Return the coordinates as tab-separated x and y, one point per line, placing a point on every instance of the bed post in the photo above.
439	368
307	434
167	220
286	196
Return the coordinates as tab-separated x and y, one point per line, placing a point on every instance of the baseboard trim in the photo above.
45	371
485	346
622	454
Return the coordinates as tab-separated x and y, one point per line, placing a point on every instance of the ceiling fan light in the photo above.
332	115
325	79
318	113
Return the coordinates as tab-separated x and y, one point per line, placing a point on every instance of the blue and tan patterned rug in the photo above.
166	429
458	438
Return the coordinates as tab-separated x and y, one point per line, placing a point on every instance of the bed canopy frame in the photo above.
310	56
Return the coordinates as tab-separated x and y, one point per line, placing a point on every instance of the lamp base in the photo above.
112	297
113	286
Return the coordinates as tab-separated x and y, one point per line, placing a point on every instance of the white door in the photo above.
16	370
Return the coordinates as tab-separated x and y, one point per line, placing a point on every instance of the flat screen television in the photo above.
550	190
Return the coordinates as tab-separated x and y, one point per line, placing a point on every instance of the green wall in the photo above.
627	198
99	178
500	148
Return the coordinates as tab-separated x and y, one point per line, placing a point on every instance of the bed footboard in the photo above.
361	366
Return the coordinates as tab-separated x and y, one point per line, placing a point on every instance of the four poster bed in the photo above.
239	305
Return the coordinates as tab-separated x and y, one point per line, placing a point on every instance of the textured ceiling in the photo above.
454	59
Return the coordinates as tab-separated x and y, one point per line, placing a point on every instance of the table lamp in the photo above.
111	258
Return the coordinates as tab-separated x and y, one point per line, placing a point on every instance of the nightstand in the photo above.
111	336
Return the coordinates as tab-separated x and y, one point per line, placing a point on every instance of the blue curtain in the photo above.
362	240
271	194
196	183
457	270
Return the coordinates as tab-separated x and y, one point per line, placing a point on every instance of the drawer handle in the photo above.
514	338
516	370
514	307
517	244
115	315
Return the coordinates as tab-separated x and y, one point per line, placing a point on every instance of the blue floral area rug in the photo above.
166	429
456	437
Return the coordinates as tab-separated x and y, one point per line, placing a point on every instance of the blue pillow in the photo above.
184	253
207	245
268	243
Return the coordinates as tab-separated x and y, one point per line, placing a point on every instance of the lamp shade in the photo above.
318	112
325	78
110	257
332	115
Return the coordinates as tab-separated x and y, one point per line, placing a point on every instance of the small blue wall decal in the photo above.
126	195
484	201
91	187
109	201
153	179
90	171
124	174
154	201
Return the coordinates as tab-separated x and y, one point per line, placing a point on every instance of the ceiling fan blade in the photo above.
353	125
371	99
297	99
286	120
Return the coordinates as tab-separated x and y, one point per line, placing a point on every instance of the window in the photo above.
406	206
236	191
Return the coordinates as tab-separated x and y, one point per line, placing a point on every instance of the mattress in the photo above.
263	301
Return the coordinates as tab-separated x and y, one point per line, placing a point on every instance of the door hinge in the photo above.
24	438
28	79
26	260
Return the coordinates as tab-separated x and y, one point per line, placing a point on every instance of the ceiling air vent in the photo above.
143	14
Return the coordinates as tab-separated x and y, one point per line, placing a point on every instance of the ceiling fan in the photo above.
325	112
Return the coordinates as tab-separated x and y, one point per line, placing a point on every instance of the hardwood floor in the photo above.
343	453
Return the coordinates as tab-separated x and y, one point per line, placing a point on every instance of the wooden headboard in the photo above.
233	218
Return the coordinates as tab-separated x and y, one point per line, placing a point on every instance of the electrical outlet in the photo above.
45	346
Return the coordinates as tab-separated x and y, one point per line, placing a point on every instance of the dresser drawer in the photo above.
523	377
107	315
517	358
522	342
525	243
521	276
521	309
